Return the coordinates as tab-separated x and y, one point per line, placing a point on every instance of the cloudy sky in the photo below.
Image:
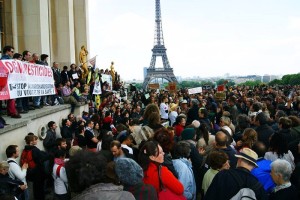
203	37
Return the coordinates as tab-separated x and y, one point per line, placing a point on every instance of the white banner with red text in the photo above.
21	79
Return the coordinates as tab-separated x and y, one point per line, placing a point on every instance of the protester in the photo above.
150	158
184	170
90	182
218	160
61	187
227	183
15	171
8	186
131	176
281	173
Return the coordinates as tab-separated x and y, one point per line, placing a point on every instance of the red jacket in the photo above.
178	129
168	179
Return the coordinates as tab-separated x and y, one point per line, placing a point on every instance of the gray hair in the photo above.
282	167
182	150
226	120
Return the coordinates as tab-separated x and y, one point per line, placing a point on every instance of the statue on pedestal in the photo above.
83	61
112	72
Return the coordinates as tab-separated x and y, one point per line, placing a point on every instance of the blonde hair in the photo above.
4	165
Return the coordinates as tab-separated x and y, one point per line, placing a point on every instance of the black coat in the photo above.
289	193
9	186
264	133
224	186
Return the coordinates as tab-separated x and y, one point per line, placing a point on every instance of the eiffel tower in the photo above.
159	49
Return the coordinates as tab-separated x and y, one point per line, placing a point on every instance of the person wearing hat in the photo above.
131	176
184	107
227	183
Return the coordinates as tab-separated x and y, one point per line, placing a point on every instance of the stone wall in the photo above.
33	122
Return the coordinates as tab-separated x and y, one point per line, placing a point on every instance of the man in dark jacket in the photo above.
227	183
8	186
192	114
264	131
221	145
50	141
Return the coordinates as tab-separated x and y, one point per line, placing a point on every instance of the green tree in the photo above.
275	82
251	83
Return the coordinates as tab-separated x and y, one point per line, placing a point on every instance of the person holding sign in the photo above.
8	52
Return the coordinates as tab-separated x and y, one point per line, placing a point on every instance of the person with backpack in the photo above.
15	171
35	172
61	188
235	183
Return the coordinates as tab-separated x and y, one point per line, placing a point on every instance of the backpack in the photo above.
26	157
244	193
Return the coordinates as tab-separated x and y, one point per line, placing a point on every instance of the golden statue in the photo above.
83	61
112	72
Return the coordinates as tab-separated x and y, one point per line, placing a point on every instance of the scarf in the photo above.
59	161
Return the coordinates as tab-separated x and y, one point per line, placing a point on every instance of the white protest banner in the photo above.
195	90
20	79
97	88
107	78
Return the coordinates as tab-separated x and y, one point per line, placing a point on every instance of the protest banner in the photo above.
195	90
20	79
107	78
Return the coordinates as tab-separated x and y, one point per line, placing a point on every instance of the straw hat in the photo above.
248	154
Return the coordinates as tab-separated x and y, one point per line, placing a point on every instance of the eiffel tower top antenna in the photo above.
158	38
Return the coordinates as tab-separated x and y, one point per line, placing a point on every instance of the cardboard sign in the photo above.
195	90
220	96
172	87
153	86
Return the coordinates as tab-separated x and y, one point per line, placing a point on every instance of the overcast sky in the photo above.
203	37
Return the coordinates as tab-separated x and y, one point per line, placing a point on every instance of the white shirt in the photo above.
164	111
172	116
272	156
15	171
60	182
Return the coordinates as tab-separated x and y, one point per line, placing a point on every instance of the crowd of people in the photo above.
73	85
160	145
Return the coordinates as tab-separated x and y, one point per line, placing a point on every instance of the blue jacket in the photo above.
262	173
186	176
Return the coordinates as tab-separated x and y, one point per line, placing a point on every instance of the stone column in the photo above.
81	26
62	29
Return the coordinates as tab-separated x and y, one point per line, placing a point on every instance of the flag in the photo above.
92	61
